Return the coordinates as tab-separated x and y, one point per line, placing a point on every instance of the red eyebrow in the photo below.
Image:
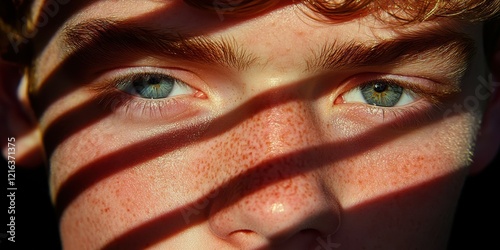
453	48
108	37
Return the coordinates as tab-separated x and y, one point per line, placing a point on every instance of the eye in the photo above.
380	92
153	86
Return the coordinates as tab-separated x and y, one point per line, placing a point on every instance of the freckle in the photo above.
300	33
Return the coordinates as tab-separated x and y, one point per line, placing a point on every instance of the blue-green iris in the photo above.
381	93
149	86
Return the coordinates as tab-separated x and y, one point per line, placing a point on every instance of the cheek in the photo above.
413	159
82	150
95	198
407	186
105	210
105	188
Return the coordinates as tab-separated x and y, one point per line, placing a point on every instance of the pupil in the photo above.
380	87
153	80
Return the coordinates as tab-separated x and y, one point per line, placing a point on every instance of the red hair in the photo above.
17	15
404	10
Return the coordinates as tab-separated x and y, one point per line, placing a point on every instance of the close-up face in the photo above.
170	127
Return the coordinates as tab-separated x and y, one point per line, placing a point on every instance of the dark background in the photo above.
476	225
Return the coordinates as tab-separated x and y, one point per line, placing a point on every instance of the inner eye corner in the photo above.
199	94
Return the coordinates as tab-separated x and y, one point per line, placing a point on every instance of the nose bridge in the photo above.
277	194
284	123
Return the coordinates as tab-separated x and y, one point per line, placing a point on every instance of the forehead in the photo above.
182	17
56	13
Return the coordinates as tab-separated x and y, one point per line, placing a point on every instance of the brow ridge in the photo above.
447	46
110	38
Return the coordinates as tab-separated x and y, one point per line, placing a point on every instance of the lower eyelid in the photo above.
119	103
419	112
131	107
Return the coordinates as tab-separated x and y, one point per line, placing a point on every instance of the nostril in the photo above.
304	239
302	234
308	233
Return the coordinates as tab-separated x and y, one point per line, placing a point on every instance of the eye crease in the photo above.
380	92
153	86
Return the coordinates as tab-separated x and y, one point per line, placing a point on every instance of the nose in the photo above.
278	200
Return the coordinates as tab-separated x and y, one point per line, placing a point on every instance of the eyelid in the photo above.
430	96
424	88
117	101
111	77
355	95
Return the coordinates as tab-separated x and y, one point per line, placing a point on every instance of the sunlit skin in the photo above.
272	155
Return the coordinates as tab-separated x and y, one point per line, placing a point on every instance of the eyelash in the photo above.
429	97
115	99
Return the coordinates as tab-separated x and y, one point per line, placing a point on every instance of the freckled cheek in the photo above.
129	198
105	210
101	210
105	145
83	149
412	160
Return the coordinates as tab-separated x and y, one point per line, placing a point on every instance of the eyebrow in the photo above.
107	39
443	45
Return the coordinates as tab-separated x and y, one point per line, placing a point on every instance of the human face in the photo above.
265	141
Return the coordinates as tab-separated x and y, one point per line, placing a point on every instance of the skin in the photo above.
295	166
